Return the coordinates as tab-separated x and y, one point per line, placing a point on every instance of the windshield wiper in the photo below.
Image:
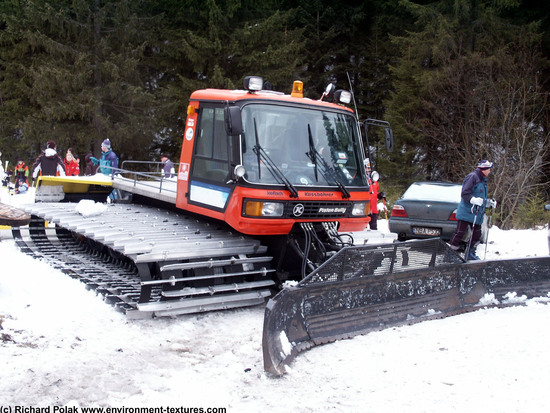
257	151
271	166
326	170
312	154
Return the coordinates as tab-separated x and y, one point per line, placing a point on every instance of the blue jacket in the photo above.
107	161
475	184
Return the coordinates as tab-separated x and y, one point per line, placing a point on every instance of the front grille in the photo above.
316	209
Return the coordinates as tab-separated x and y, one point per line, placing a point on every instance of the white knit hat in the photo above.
485	164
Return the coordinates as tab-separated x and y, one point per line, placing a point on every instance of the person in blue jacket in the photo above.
471	209
108	159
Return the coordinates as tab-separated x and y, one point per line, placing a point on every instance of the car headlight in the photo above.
263	209
360	209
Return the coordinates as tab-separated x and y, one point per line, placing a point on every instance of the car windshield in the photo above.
301	146
433	192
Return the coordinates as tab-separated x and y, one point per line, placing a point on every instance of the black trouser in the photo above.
19	179
461	228
373	221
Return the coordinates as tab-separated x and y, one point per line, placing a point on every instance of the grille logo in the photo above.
298	210
332	210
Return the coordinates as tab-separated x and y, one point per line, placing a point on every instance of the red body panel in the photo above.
186	157
276	226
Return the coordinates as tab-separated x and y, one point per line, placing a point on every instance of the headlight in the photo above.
360	209
263	209
253	83
342	96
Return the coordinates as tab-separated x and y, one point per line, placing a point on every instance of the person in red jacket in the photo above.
374	188
72	163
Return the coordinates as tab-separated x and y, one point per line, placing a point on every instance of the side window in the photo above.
212	146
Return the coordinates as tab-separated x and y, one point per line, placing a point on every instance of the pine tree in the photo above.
78	75
468	88
216	44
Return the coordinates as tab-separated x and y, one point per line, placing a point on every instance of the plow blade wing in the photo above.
13	217
368	288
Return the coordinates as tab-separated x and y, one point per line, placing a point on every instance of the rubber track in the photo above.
159	262
117	281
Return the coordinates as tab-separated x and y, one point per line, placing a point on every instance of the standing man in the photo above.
471	209
109	161
168	170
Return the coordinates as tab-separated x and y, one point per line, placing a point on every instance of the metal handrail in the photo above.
156	163
150	176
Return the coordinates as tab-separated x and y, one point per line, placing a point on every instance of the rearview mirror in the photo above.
388	133
233	120
547	207
329	90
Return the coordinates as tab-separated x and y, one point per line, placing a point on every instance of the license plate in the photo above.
435	232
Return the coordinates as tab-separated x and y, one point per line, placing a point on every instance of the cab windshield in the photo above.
299	146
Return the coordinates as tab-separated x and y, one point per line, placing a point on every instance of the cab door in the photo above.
210	168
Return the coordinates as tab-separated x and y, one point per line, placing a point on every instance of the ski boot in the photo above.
472	256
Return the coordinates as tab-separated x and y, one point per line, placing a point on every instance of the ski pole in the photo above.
488	228
475	209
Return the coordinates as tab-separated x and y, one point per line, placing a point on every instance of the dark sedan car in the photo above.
426	210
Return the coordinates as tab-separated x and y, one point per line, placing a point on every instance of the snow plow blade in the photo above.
13	217
368	288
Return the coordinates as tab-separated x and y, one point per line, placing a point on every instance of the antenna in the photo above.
357	117
353	96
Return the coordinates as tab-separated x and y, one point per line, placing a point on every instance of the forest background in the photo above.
459	80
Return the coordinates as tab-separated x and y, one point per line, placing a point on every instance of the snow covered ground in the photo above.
62	346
